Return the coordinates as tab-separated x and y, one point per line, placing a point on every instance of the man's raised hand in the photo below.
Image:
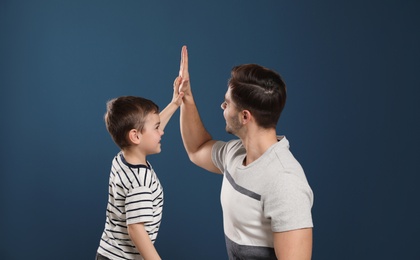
184	86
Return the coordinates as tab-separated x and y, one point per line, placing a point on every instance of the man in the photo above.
266	199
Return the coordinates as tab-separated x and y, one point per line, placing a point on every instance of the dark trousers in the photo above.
101	257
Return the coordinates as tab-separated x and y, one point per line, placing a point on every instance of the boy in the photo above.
135	199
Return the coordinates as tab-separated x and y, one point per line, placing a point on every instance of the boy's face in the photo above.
151	135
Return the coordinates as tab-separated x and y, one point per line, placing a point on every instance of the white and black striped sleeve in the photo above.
139	205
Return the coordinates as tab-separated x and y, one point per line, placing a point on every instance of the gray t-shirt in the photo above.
269	195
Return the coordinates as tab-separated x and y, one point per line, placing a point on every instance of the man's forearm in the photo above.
193	131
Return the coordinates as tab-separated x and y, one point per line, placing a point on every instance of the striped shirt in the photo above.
135	196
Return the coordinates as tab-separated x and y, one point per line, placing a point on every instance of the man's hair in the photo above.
260	90
126	113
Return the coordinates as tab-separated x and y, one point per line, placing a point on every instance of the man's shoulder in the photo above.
229	145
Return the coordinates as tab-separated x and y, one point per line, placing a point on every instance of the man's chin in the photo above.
229	131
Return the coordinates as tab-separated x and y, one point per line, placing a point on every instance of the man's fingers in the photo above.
183	67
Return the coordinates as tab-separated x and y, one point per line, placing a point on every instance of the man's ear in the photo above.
134	136
246	116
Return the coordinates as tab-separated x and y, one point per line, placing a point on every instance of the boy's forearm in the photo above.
142	242
166	114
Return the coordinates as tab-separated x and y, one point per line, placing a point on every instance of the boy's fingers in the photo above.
177	82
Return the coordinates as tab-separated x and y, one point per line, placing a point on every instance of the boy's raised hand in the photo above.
177	94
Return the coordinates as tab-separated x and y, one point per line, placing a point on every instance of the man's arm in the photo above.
293	245
142	241
197	141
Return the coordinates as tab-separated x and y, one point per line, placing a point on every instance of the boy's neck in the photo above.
134	157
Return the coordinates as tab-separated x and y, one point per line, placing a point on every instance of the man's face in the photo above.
231	115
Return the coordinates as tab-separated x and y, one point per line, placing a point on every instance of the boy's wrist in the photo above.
175	103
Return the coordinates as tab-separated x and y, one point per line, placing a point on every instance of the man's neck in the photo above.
257	143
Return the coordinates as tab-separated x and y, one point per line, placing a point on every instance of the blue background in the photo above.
352	70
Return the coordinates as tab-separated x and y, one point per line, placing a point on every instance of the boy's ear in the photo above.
134	136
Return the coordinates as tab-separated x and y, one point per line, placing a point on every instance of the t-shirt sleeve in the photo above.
218	154
139	205
289	204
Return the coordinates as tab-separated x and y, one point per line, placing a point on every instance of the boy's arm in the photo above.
142	241
197	141
166	114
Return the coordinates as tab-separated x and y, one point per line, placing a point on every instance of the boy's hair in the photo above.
259	90
126	113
